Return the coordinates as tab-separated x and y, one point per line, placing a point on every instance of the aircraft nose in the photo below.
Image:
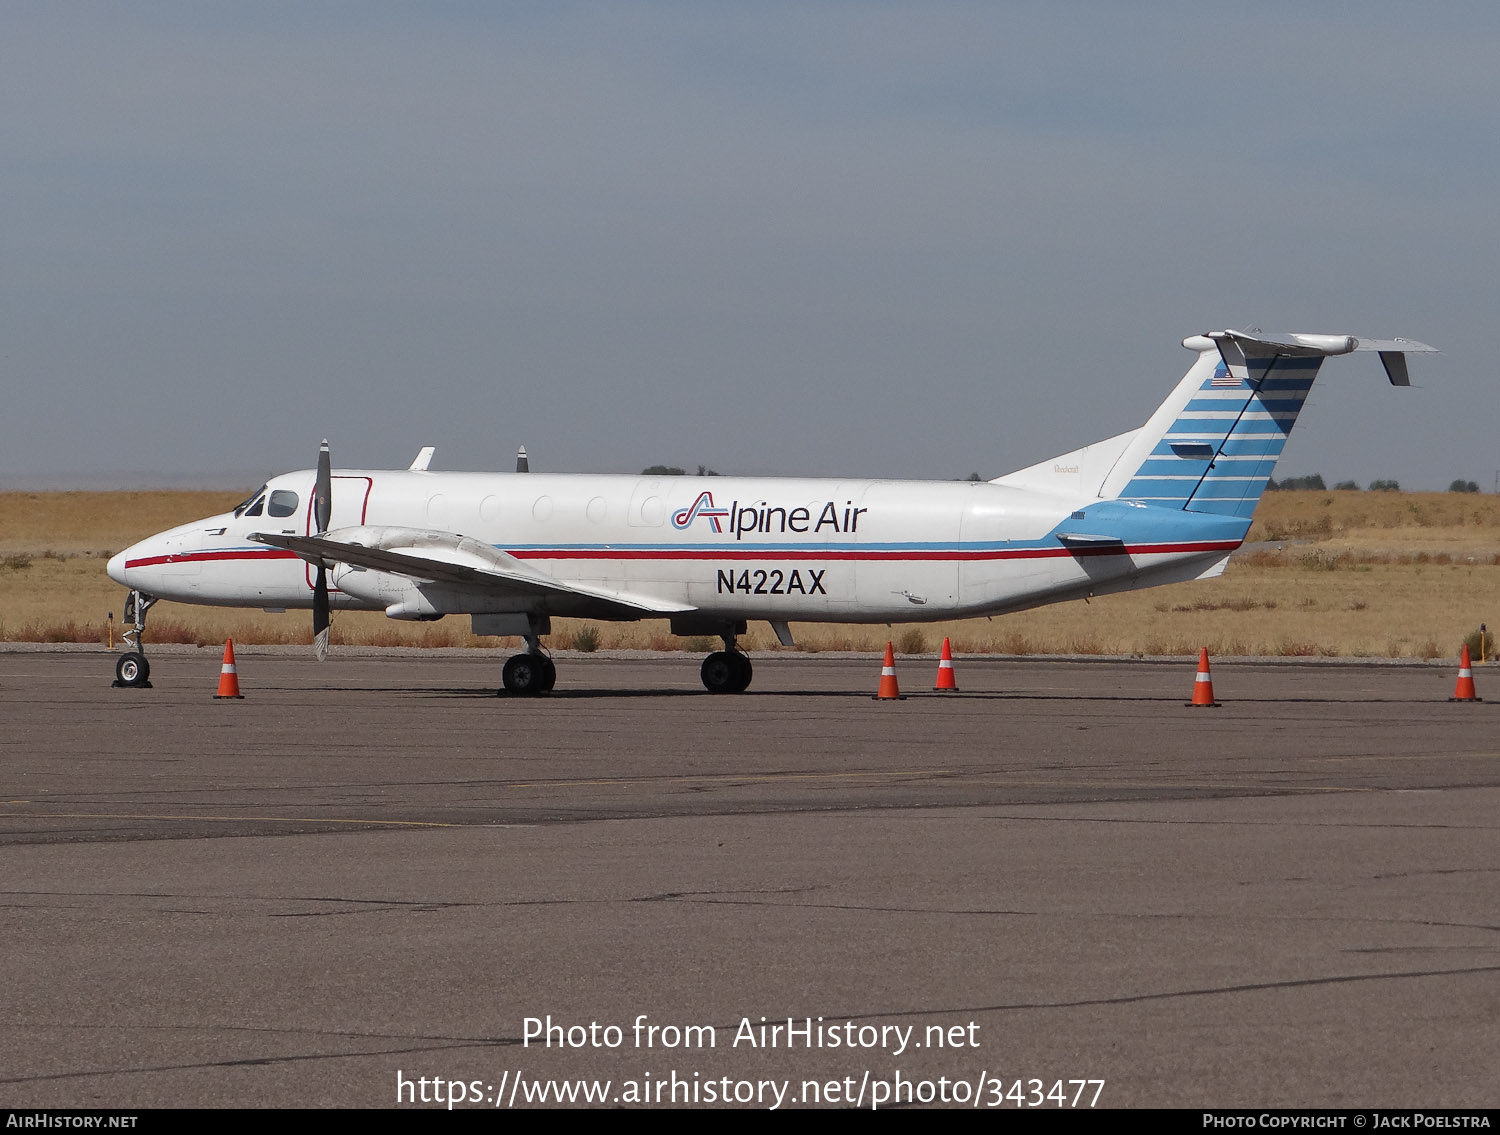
116	567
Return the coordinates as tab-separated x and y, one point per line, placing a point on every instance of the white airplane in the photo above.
1161	504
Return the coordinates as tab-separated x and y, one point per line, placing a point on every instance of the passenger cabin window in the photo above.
283	503
243	507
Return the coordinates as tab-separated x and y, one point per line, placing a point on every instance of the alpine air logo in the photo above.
704	507
761	517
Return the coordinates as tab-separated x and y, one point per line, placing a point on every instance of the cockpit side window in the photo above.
283	503
254	509
244	506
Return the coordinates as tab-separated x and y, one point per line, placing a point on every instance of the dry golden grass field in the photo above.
1364	574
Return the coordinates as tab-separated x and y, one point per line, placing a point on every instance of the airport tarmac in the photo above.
373	872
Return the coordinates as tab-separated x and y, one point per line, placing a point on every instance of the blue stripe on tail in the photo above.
1222	449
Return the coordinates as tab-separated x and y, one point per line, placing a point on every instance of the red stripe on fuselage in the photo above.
732	553
200	557
871	555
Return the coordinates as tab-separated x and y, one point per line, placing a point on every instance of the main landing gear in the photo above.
532	673
132	670
727	671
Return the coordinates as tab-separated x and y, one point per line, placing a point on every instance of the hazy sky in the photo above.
894	239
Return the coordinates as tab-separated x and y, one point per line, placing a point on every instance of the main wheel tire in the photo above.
726	672
718	672
132	669
528	674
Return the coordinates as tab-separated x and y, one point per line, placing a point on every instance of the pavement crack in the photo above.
444	1045
722	896
1174	994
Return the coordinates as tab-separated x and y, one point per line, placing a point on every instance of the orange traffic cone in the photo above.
888	689
1203	685
1464	691
229	680
945	679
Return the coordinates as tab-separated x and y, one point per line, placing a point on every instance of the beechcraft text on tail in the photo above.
1161	504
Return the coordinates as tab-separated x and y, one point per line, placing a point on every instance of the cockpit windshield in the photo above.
253	499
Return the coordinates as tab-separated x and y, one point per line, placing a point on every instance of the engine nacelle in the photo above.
420	600
400	595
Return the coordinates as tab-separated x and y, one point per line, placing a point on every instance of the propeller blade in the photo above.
321	618
323	491
322	514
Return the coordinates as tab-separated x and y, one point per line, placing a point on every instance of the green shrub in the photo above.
1478	653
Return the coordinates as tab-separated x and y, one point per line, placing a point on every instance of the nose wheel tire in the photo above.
726	672
133	671
529	674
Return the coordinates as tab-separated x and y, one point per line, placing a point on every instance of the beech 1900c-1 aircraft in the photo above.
1163	503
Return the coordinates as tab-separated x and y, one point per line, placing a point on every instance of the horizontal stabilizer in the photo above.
1236	348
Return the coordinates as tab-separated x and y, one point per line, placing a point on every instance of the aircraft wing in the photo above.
462	560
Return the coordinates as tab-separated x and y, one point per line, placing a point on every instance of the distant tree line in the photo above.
1288	484
1315	481
675	471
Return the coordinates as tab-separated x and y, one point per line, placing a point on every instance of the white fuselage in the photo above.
728	548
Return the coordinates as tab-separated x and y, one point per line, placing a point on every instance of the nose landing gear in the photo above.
132	670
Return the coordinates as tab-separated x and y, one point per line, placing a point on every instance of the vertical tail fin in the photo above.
1213	444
